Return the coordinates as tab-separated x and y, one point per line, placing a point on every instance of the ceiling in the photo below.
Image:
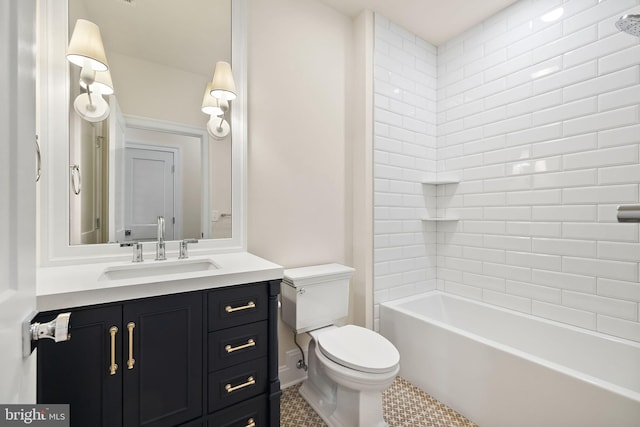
435	21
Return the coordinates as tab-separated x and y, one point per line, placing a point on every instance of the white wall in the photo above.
297	131
156	91
404	153
361	161
541	122
298	176
540	241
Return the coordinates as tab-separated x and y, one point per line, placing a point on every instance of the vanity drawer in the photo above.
232	346
235	384
243	414
237	305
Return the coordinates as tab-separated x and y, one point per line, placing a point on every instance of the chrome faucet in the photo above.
183	253
160	245
137	250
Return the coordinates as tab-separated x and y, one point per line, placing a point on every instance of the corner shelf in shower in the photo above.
442	181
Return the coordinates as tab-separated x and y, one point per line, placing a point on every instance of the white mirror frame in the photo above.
53	121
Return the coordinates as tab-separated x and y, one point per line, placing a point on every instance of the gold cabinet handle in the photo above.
251	423
249	306
250	343
231	389
113	367
131	326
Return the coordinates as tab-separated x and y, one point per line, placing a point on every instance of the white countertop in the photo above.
84	284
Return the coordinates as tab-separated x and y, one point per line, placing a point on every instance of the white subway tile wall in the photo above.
541	123
404	155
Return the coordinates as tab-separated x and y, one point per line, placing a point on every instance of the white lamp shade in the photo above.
102	83
86	46
211	105
223	86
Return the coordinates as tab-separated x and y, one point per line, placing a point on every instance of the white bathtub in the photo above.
498	367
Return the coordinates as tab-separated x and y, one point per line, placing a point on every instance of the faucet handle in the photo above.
137	250
161	228
183	254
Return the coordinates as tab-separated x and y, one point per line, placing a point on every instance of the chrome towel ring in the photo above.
76	181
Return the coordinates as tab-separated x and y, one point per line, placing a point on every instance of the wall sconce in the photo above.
217	126
87	51
216	99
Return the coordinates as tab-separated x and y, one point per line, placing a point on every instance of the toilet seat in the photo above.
359	349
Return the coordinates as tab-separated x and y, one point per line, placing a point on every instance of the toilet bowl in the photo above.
349	366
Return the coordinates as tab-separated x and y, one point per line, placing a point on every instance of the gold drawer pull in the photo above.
230	389
249	306
250	343
251	423
113	367
131	361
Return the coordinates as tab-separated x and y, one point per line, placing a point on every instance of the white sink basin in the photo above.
157	268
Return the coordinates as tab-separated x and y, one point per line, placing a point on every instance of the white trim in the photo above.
117	129
53	78
53	121
18	190
289	374
239	133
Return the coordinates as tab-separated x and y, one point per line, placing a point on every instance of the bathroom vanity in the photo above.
176	342
196	348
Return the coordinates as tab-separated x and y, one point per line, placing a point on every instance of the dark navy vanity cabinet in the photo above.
204	358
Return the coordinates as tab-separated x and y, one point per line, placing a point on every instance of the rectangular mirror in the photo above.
161	56
159	80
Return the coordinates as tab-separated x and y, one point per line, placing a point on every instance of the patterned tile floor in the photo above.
405	405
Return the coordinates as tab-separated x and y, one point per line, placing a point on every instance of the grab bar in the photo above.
629	213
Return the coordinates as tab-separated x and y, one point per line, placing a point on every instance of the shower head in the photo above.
629	24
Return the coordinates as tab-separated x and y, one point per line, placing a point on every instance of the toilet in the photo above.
349	366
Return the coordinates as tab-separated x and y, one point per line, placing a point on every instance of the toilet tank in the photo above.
315	296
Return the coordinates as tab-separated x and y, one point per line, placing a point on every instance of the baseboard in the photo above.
289	373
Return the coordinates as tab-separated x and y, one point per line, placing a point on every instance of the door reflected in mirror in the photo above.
152	156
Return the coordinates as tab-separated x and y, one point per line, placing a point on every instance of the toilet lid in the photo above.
358	348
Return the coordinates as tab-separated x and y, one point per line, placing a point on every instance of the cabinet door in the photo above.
163	386
78	371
